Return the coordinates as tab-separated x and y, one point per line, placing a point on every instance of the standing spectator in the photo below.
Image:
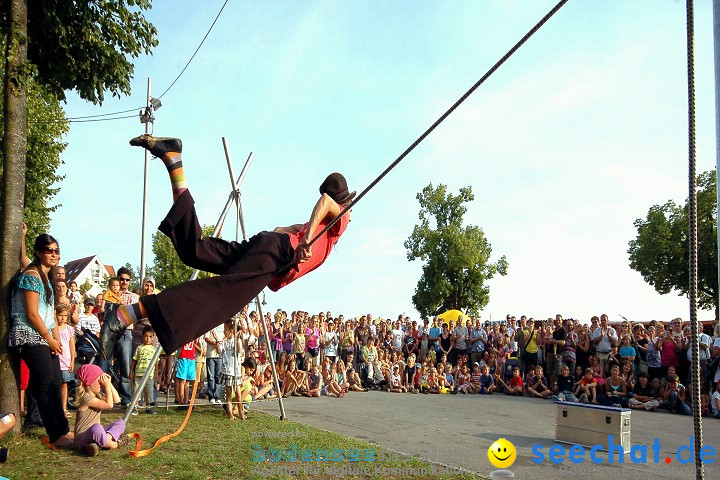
67	357
397	335
312	343
461	337
123	347
714	354
705	342
653	355
603	338
34	337
88	320
62	297
670	345
554	348
347	342
330	342
186	368
213	365
531	336
446	342
140	367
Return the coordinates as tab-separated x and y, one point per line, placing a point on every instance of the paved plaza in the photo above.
458	430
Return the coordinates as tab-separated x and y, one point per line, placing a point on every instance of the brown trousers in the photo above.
189	310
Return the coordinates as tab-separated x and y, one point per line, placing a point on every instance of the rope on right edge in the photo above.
693	244
427	132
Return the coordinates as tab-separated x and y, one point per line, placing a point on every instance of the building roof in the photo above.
110	270
73	268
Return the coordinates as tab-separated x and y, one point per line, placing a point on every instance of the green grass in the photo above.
210	447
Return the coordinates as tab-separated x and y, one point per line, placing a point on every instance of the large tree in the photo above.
457	257
660	250
61	45
168	270
46	126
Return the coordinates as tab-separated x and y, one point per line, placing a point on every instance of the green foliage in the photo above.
168	270
46	126
85	287
456	257
86	46
660	252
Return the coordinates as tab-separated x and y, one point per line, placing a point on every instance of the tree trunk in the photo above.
13	185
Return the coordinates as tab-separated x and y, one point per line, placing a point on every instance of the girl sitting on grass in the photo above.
90	435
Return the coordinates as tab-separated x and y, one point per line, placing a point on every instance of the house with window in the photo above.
91	270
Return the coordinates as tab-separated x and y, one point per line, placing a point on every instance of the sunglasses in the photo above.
122	279
50	251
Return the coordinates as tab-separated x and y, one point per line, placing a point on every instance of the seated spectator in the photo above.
294	380
537	386
7	422
464	383
616	390
487	384
475	377
433	386
341	377
587	387
449	379
354	381
627	374
715	402
314	383
643	395
396	385
515	384
565	386
674	396
411	370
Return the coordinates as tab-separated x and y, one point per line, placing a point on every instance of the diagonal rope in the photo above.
427	132
693	244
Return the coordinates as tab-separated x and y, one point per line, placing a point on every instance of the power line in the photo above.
196	50
86	118
83	117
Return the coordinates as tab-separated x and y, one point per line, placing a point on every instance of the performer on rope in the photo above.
268	259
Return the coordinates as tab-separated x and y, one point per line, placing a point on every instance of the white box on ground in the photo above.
588	425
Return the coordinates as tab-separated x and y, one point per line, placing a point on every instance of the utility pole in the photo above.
716	49
148	119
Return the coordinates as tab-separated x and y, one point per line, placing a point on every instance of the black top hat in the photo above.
336	187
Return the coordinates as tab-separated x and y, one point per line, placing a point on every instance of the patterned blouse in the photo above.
21	332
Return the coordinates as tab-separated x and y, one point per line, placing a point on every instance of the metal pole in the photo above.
225	211
716	49
145	188
141	386
257	298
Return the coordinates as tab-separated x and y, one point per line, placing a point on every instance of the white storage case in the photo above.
589	424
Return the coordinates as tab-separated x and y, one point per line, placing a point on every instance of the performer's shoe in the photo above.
110	331
158	146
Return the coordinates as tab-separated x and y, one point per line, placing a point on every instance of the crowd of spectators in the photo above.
636	365
626	365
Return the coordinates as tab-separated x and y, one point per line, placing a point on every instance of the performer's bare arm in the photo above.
324	207
291	229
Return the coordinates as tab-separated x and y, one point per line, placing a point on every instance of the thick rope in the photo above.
692	212
443	117
137	452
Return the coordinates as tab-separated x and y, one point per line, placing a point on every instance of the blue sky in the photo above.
565	146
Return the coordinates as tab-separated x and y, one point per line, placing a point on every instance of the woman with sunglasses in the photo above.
34	337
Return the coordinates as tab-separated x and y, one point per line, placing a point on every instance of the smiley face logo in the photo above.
502	453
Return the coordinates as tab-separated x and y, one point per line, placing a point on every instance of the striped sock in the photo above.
173	163
129	314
